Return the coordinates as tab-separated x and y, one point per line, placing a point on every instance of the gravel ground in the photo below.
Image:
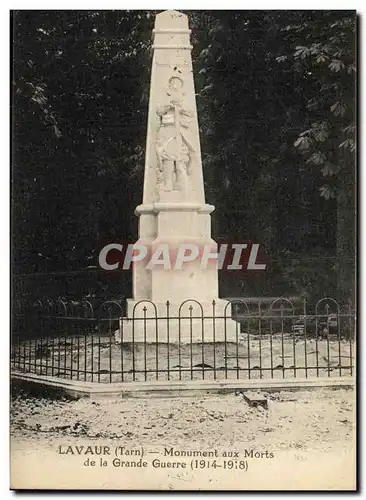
310	433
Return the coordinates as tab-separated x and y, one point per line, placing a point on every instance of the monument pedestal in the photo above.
174	213
186	322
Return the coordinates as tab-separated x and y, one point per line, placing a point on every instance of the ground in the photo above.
310	433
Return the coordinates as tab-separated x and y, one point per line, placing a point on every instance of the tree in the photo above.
326	59
255	92
79	113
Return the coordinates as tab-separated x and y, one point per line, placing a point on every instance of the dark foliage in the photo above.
275	96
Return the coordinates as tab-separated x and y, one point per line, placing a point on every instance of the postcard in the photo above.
183	250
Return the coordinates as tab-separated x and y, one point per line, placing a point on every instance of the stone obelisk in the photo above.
174	211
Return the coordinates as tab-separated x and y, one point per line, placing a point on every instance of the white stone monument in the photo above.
174	212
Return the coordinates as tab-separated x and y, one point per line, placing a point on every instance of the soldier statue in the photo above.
173	147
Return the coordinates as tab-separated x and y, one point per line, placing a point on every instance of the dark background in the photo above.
276	107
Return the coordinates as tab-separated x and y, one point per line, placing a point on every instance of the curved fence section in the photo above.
112	341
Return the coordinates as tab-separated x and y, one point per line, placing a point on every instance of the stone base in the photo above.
183	331
189	322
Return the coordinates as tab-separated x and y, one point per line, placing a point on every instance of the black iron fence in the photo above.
97	342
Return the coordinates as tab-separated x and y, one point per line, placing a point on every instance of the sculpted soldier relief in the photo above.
173	148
